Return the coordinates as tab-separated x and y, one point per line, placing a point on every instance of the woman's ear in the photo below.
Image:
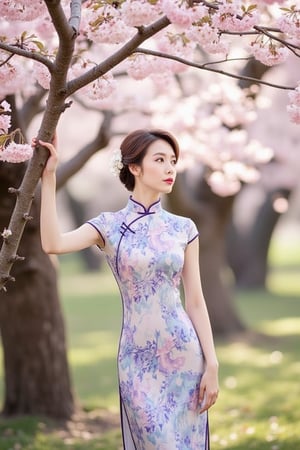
134	169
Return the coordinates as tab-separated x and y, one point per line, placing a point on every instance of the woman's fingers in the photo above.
208	401
52	161
208	392
50	146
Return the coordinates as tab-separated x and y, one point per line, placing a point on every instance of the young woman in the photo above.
168	369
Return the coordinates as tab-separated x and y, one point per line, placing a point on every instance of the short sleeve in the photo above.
193	232
99	224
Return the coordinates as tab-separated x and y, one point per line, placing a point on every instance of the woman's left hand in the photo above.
209	389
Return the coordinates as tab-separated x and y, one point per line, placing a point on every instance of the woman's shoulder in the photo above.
178	218
108	216
181	223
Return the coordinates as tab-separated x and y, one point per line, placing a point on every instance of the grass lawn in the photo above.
258	406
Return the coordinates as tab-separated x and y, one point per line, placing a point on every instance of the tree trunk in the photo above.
37	379
91	259
248	248
211	214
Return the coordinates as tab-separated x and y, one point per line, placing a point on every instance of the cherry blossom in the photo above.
222	184
176	44
139	66
16	153
289	23
11	76
5	122
136	13
269	53
106	24
233	16
202	125
293	108
198	31
209	38
99	89
178	12
41	74
5	119
116	164
22	10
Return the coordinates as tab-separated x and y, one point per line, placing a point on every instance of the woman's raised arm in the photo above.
53	241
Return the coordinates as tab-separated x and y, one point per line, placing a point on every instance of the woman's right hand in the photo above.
52	161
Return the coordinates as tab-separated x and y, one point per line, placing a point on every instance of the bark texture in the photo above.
37	378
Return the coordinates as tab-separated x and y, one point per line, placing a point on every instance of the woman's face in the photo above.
158	169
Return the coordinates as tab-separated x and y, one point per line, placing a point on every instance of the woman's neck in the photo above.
146	199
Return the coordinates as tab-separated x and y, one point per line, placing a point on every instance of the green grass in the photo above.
258	406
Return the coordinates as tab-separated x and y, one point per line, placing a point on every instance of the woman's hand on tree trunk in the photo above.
52	161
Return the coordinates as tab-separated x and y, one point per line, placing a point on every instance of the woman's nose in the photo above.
170	168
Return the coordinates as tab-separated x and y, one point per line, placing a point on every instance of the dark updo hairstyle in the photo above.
134	148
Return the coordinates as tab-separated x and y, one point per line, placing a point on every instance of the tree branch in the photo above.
75	17
64	30
55	107
267	31
210	69
113	60
69	168
16	50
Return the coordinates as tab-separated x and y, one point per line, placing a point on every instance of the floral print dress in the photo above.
160	360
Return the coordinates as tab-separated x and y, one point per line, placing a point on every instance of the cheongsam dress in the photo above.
160	360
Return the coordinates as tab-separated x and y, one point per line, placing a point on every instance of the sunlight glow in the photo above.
96	346
282	327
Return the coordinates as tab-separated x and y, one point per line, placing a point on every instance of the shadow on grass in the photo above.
99	430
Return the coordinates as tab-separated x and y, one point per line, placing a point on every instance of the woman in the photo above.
166	361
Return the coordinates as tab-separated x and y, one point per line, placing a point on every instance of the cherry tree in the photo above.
122	24
77	48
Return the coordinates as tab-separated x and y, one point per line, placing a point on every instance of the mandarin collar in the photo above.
139	208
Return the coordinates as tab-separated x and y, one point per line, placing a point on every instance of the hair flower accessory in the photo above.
116	164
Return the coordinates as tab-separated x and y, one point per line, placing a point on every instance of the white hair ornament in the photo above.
116	164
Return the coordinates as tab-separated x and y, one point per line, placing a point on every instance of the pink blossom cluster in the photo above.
174	44
41	74
209	38
208	25
22	10
106	24
233	16
179	12
5	119
11	152
139	66
235	160
99	89
269	53
203	125
289	23
16	153
293	108
11	77
136	13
